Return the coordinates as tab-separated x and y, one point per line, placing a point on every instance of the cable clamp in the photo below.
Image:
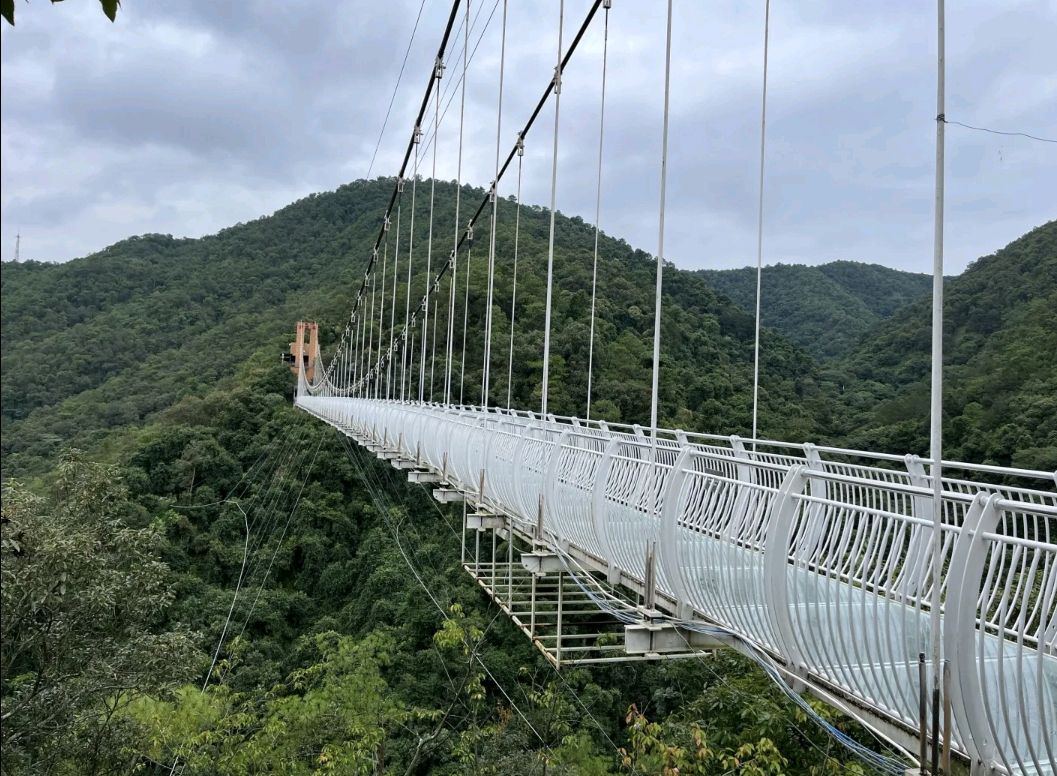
491	194
385	224
438	68
557	79
607	4
400	185
469	231
417	136
520	144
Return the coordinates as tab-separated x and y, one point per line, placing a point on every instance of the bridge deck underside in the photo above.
826	565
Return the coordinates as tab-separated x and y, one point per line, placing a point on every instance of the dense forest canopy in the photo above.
153	318
1000	361
825	309
158	358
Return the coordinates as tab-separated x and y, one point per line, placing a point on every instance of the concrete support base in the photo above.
422	477
656	639
448	495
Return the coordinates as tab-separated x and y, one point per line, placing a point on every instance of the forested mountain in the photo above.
102	342
1000	359
159	358
825	309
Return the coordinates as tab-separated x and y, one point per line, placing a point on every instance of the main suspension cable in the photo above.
468	232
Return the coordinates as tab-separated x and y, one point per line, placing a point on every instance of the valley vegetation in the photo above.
154	465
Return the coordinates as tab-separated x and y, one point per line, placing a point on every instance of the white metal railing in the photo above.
820	555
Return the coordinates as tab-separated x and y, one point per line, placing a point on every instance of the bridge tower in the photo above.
302	354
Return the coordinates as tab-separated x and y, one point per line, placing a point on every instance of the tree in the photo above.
109	7
83	593
651	750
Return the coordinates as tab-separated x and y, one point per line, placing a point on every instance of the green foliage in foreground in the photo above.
108	7
84	630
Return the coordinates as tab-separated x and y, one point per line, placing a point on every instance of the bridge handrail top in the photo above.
1027	507
1020	541
670	434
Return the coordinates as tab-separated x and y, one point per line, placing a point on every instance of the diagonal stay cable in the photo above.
547	92
429	593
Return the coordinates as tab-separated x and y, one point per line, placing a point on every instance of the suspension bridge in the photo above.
917	595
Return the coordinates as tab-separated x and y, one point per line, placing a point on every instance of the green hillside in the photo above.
825	309
103	342
1000	356
160	358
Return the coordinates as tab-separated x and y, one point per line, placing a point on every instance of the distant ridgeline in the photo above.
1000	351
824	309
102	344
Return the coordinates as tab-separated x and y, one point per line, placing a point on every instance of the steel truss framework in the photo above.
820	557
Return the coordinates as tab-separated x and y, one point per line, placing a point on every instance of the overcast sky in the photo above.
186	117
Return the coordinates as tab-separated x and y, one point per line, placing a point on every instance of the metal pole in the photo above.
660	229
936	409
439	70
532	608
554	195
463	560
476	549
759	225
922	713
486	377
495	568
558	635
510	562
458	202
946	717
598	210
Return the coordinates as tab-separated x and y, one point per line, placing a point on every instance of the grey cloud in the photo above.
110	130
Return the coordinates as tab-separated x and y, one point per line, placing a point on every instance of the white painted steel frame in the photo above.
821	556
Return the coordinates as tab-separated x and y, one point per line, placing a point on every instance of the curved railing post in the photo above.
781	520
598	502
671	511
744	467
515	467
918	553
959	629
551	515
